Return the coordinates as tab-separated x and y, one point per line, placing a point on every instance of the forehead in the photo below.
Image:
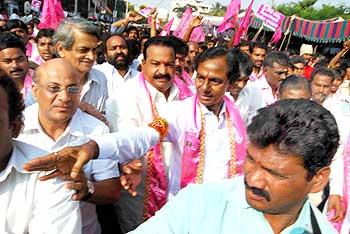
277	66
322	79
17	30
213	67
257	50
115	40
160	52
193	46
84	40
11	53
55	75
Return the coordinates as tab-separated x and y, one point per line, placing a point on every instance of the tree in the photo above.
305	9
218	9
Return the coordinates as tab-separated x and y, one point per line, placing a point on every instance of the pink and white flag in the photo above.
52	14
244	25
230	17
166	28
197	34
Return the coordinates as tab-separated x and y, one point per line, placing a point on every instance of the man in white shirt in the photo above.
117	70
28	205
55	122
263	91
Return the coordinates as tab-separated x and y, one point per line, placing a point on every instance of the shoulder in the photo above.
98	76
90	124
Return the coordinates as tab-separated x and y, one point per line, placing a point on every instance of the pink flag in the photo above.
197	34
52	14
244	25
230	17
166	28
276	36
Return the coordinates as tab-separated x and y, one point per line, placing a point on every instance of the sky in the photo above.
166	3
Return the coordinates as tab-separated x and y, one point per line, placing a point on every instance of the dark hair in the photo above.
244	43
179	45
322	71
14	98
245	63
275	57
10	40
203	46
134	49
45	32
257	45
16	23
299	127
130	28
108	36
339	72
296	59
294	82
161	41
233	72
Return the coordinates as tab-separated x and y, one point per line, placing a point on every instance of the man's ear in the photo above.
60	50
320	180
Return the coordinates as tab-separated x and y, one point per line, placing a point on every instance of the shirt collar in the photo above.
262	83
129	74
173	95
206	111
94	76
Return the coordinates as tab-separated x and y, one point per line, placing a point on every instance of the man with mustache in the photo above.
263	91
14	63
292	143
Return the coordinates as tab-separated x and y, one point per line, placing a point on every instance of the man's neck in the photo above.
19	83
53	129
84	77
256	70
216	109
122	72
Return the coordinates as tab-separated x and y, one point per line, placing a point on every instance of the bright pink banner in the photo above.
244	25
230	17
52	14
166	28
270	17
197	34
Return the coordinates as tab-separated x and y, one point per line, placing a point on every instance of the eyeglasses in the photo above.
73	90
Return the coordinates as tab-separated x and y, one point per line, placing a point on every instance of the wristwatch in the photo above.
91	190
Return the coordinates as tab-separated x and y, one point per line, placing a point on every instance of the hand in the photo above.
196	21
134	16
90	109
346	44
79	184
154	13
335	203
68	161
131	176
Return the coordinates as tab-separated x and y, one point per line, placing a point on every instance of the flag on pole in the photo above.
166	28
52	14
244	25
230	17
197	34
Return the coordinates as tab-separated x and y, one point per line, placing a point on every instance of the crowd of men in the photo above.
134	132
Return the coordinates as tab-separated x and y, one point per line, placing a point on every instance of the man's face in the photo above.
295	94
238	85
117	52
133	35
210	44
193	51
276	183
21	33
307	57
45	48
321	87
258	56
212	82
159	67
275	74
179	63
5	126
298	69
14	63
336	83
57	106
83	53
244	49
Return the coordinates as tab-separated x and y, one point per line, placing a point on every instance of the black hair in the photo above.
130	28
324	72
14	98
10	40
275	57
339	72
233	72
245	63
257	45
296	59
134	49
244	43
108	36
294	82
16	23
45	32
161	41
203	46
179	45
299	127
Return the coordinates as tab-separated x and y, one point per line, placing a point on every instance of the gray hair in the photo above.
65	33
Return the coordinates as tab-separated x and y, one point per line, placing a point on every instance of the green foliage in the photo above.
218	9
305	9
180	10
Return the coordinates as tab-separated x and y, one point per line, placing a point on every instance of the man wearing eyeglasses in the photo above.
263	92
55	122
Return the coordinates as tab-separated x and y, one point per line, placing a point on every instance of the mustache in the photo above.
162	76
16	70
258	192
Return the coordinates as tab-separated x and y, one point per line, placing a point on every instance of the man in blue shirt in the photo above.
292	143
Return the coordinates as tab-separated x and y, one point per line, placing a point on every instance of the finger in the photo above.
77	167
75	186
52	175
40	162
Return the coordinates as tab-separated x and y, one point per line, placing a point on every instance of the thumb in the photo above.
77	167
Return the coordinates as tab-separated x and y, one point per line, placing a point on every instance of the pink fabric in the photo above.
244	25
190	157
28	81
197	34
29	49
230	17
166	28
187	78
52	14
184	90
278	34
157	176
254	77
266	91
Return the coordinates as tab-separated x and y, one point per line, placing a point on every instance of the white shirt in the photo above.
254	95
81	127
217	149
115	84
28	205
